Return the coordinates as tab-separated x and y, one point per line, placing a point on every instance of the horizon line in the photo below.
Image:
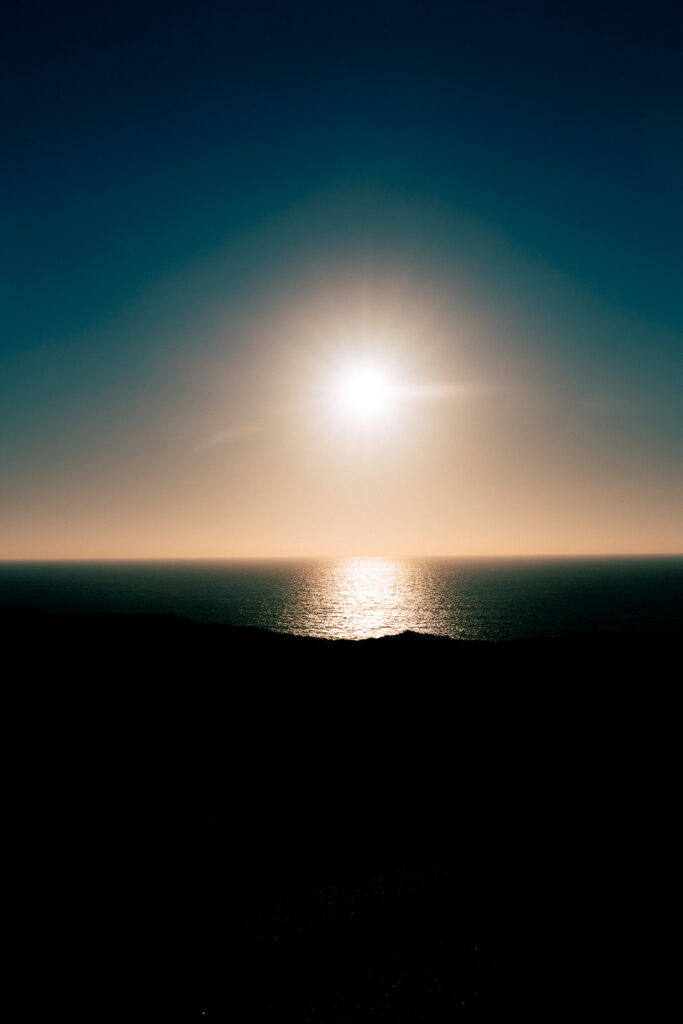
331	557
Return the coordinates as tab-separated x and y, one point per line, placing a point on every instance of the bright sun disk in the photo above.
364	392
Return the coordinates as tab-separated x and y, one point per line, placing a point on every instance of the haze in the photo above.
323	282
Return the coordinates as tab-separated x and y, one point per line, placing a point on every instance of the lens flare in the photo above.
364	392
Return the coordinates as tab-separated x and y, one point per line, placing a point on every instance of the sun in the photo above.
364	392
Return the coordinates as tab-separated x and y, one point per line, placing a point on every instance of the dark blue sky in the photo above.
136	136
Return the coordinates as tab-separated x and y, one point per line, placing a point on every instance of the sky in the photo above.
218	218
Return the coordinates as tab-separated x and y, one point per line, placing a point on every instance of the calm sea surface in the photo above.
369	597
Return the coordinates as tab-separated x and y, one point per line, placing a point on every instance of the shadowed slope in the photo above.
396	829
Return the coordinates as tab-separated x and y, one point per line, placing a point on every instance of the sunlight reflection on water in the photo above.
366	597
369	597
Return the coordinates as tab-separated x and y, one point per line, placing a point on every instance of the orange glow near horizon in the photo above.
360	414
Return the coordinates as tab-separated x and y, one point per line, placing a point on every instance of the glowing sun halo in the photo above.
364	392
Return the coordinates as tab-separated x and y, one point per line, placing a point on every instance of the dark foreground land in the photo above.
252	827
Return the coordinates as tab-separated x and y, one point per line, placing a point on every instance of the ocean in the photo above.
355	598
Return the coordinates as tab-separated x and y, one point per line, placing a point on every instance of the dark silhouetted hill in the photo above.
264	827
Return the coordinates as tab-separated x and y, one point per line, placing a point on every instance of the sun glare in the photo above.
364	392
